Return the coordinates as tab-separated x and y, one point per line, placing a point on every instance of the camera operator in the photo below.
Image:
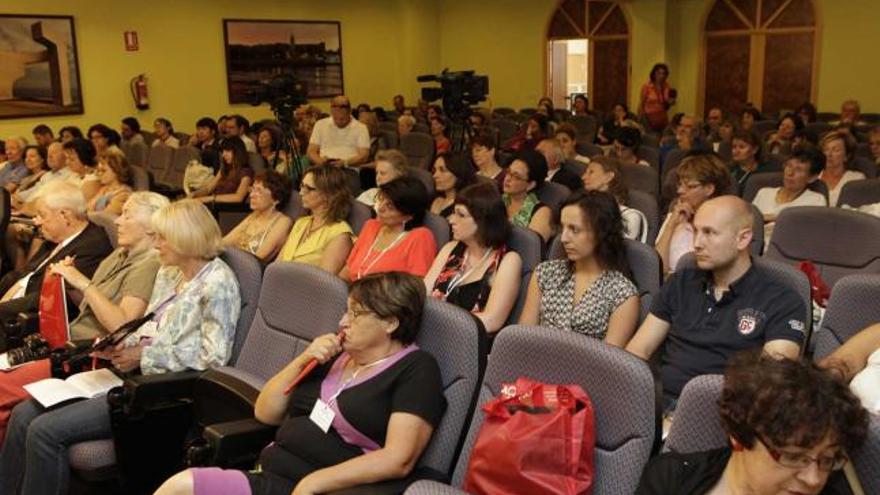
339	139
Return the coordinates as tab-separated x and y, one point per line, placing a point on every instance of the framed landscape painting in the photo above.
258	51
39	72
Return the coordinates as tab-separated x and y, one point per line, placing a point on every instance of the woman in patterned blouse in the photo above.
590	291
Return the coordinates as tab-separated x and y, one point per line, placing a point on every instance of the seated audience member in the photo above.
269	147
858	362
620	118
746	153
61	218
103	138
206	134
874	143
20	234
724	305
476	271
808	113
371	120
566	134
263	232
237	126
439	126
339	139
557	171
712	126
748	117
405	124
790	425
687	136
478	122
390	164
535	129
700	178
165	134
130	131
780	142
116	294
839	149
545	107
603	174
24	198
452	173
580	105
389	405
799	171
43	136
323	237
69	133
850	114
116	180
433	111
589	291
35	160
231	183
396	239
626	145
197	302
80	156
483	155
14	170
525	174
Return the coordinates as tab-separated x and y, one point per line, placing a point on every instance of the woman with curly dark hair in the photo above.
790	425
590	291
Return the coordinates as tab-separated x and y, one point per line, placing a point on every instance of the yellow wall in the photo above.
182	53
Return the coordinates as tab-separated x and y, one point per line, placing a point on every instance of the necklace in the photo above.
363	270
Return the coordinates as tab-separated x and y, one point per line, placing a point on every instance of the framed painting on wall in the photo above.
258	51
39	73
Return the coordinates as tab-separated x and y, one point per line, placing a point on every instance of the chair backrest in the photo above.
863	165
641	178
818	128
697	425
107	221
851	308
256	162
506	129
650	140
756	182
528	111
358	216
418	148
389	137
294	207
297	303
586	127
647	204
528	245
182	157
671	161
136	153
576	167
866	460
859	193
762	127
439	227
389	125
424	176
623	407
140	178
645	265
839	242
757	244
503	111
149	137
588	150
519	118
159	160
421	127
457	341
249	272
552	194
651	155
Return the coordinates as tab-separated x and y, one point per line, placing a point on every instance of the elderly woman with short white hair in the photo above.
193	311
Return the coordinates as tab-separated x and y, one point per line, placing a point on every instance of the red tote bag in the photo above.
536	438
53	311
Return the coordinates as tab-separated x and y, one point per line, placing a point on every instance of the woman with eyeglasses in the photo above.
525	175
700	178
790	425
263	232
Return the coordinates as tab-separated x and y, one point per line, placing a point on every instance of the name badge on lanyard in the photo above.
322	415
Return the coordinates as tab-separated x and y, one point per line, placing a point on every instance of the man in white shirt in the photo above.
339	139
237	126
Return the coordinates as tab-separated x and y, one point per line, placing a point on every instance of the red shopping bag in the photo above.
53	311
536	438
818	288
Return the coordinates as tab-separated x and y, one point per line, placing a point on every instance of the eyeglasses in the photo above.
517	177
354	313
800	460
258	189
689	185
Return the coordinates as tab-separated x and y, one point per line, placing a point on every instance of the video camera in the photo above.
284	93
458	91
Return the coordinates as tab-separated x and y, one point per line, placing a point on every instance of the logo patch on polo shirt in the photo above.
797	326
748	320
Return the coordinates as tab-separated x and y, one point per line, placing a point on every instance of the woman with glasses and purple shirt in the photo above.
790	425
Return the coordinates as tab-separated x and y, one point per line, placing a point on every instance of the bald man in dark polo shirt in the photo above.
707	314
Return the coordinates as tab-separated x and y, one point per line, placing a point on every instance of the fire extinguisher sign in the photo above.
131	41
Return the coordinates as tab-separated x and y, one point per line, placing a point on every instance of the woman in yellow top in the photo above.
323	237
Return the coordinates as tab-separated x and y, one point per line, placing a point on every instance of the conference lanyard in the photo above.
459	277
354	376
364	271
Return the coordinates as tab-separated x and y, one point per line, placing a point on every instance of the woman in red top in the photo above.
439	126
395	240
656	98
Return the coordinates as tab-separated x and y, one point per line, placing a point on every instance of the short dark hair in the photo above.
279	186
754	112
393	295
42	129
601	211
628	137
811	155
84	150
788	403
40	151
274	135
410	196
240	122
484	140
567	129
543	123
132	124
809	109
653	74
166	123
795	119
536	163
210	157
750	138
483	202
207	122
461	167
107	133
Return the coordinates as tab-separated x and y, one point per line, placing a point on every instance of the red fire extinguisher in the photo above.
139	92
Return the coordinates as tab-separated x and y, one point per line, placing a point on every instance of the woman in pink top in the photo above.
656	98
395	239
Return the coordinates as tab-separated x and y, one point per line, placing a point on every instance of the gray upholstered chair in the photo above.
140	178
853	306
528	245
439	227
552	195
647	204
159	161
358	215
623	407
697	424
294	207
135	153
174	175
859	193
641	178
425	176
